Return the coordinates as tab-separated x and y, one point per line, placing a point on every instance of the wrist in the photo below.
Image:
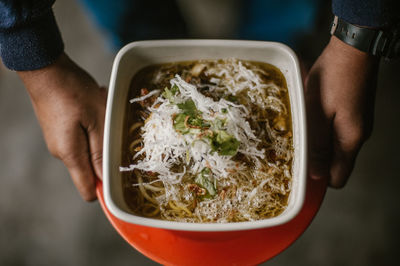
59	63
45	81
338	45
339	49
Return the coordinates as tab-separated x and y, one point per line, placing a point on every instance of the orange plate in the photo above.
249	247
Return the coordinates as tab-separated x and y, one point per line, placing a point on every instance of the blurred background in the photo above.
43	221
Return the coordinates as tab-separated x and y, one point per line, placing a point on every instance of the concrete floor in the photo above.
43	221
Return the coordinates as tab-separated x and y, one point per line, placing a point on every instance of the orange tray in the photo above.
250	247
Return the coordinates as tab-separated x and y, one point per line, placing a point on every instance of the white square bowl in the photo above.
138	55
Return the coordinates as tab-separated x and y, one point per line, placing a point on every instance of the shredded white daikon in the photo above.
164	147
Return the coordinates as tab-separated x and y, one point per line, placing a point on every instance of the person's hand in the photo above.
340	92
70	107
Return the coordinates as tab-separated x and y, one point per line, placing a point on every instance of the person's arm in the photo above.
340	91
69	104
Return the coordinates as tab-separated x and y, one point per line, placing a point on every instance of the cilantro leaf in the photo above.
179	123
224	143
174	89
206	181
198	122
189	108
169	94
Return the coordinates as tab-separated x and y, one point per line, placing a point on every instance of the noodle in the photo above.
134	127
142	189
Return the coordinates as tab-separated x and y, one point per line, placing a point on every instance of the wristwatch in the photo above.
379	42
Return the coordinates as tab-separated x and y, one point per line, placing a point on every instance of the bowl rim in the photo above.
211	227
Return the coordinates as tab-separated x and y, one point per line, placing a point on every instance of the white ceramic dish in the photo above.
137	55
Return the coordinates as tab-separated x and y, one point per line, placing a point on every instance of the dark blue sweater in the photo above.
30	39
29	36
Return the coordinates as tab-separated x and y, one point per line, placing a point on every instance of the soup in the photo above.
208	141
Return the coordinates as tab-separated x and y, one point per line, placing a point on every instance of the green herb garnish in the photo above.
179	123
189	108
224	143
198	122
206	181
189	121
170	93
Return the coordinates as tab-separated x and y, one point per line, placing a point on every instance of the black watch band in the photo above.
385	43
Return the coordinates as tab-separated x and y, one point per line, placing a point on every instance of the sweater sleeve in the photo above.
29	36
370	13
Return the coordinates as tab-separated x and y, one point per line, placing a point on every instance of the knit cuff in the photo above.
31	46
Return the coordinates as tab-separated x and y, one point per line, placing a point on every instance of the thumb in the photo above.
319	127
320	153
96	150
95	132
342	166
349	134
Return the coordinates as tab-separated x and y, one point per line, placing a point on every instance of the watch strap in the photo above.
372	41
